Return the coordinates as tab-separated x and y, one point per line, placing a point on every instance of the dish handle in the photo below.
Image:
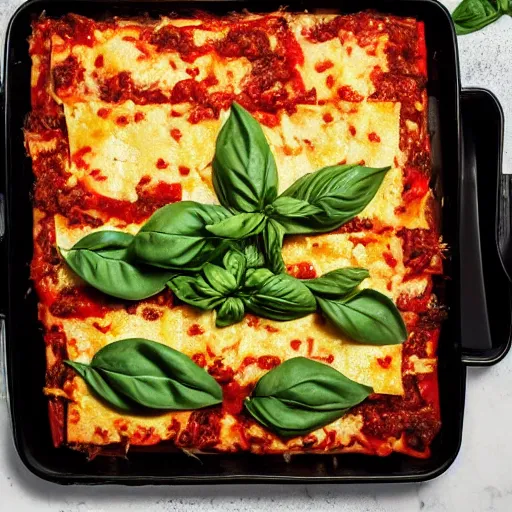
3	248
485	290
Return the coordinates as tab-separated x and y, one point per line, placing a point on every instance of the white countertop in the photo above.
479	480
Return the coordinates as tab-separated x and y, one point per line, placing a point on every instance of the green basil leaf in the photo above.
255	277
473	15
176	237
235	263
239	226
244	170
101	388
279	297
194	290
230	312
253	255
104	240
338	282
219	279
367	317
154	376
273	243
292	207
108	266
340	191
301	395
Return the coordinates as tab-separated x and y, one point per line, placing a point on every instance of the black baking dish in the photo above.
477	331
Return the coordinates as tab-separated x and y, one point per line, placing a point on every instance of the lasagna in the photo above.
125	115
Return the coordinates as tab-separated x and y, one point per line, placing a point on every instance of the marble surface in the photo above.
480	480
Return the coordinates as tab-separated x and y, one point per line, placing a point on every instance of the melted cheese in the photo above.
351	64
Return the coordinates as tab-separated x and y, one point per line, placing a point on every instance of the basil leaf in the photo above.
154	376
102	260
101	388
473	15
176	236
239	226
367	317
292	207
255	278
103	240
253	255
194	290
301	395
273	243
235	264
278	297
340	191
244	170
338	282
219	279
231	312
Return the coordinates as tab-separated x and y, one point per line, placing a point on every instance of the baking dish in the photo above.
466	130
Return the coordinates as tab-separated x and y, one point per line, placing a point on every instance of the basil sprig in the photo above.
301	395
246	181
137	374
102	260
228	257
175	237
213	288
473	15
235	288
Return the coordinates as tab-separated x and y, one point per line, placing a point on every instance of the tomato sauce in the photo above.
102	328
233	395
373	137
295	344
67	74
80	303
416	184
328	118
221	373
104	112
389	259
268	362
199	359
324	65
302	270
195	330
144	436
161	164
